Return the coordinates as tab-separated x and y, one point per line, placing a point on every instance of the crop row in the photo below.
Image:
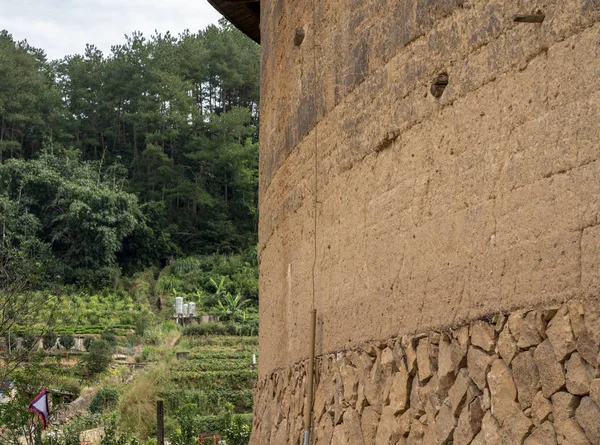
223	341
209	401
78	330
204	364
219	355
222	379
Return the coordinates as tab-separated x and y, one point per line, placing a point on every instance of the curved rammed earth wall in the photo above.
430	213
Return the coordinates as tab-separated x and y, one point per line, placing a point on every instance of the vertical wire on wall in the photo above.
310	384
316	150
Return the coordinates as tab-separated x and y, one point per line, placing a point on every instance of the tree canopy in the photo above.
112	162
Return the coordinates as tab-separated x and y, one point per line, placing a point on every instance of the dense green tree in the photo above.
29	98
99	356
160	155
67	341
105	400
80	211
49	340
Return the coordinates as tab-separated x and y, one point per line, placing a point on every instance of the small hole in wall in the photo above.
299	36
438	85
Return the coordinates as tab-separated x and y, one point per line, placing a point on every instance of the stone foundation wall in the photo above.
531	377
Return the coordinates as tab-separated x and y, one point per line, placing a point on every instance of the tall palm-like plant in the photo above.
231	308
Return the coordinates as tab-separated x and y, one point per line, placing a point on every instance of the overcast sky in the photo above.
63	27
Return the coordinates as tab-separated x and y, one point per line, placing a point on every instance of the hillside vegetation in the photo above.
128	179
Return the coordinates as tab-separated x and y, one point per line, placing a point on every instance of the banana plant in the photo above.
231	308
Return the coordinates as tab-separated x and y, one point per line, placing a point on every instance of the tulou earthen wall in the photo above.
408	213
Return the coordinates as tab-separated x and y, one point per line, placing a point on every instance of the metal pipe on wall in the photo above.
311	370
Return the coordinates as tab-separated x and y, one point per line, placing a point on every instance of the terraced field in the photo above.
216	377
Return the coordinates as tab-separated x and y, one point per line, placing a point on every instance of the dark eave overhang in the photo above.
244	14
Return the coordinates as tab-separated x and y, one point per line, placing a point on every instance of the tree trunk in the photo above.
195	205
135	150
102	141
22	141
2	135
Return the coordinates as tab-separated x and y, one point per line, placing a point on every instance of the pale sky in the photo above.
63	27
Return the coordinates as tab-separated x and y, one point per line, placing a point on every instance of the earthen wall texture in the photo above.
529	378
411	213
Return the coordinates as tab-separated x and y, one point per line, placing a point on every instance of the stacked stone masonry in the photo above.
531	378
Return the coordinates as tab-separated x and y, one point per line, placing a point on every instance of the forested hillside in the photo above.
113	162
128	179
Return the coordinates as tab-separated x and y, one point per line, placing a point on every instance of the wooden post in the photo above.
160	423
311	370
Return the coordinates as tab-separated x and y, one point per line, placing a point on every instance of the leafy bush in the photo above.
148	353
140	285
109	336
222	379
249	328
168	283
87	342
49	340
143	320
210	400
69	384
191	274
153	336
187	431
106	399
112	437
205	329
67	341
99	356
224	422
238	431
28	341
170	326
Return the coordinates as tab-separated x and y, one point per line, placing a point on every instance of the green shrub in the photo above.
205	329
167	284
142	321
99	356
153	336
235	380
67	341
109	336
28	341
211	424
170	326
69	384
238	431
148	353
209	401
111	435
49	340
87	342
199	273
105	400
